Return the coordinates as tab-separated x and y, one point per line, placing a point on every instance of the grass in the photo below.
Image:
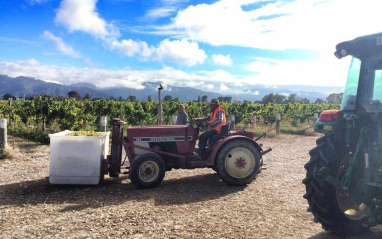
285	128
8	153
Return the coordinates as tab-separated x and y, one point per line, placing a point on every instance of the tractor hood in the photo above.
361	47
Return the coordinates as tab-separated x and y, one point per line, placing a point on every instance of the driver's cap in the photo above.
214	102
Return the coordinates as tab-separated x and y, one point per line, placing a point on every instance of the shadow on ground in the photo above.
374	233
113	191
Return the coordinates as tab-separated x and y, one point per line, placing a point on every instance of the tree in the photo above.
199	99
292	98
176	99
319	100
268	98
279	99
228	99
74	94
204	98
149	99
87	96
7	96
132	98
304	101
335	98
167	98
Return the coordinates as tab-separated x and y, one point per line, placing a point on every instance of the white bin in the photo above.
77	159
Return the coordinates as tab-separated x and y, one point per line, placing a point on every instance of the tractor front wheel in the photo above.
333	208
238	162
147	170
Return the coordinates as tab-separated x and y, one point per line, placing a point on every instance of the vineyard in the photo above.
34	119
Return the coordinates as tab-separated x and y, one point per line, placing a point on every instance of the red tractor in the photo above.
153	150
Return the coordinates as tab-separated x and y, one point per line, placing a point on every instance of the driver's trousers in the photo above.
204	138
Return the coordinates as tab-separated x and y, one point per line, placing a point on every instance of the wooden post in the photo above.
232	121
278	119
160	116
3	134
103	124
315	117
173	120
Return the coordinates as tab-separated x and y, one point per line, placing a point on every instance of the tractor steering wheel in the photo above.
200	123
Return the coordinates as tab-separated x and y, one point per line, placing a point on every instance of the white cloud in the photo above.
223	87
222	60
301	24
96	76
33	2
181	51
209	86
164	8
81	15
159	13
61	45
218	76
325	71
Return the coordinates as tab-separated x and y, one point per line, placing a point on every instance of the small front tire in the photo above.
147	170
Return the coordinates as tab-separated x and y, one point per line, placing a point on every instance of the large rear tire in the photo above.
238	162
147	170
329	206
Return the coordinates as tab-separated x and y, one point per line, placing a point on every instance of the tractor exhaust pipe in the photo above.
160	118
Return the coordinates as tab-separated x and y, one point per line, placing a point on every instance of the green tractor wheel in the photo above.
333	208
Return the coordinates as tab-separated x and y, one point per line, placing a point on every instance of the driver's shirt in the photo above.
219	119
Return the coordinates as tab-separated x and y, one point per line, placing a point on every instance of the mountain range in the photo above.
28	86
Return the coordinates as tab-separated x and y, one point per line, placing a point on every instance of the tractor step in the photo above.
123	173
198	161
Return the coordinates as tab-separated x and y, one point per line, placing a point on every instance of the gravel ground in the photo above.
188	204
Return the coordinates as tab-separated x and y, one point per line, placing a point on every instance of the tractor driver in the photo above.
215	121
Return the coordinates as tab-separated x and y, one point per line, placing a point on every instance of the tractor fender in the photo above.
221	143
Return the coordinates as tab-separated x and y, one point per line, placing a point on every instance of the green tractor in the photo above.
344	175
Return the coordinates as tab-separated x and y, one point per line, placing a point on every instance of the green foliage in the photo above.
8	96
87	96
167	98
226	99
335	98
132	98
76	115
84	133
74	94
281	99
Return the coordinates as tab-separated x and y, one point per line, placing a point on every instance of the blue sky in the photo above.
181	42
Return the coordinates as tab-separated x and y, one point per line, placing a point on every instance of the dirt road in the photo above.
188	204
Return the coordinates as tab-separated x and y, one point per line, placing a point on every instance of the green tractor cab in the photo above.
344	174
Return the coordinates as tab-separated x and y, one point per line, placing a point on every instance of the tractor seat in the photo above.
224	132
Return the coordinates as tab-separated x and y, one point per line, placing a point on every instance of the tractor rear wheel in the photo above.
147	170
333	208
238	162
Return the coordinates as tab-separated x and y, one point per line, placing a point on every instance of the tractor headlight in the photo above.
344	53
